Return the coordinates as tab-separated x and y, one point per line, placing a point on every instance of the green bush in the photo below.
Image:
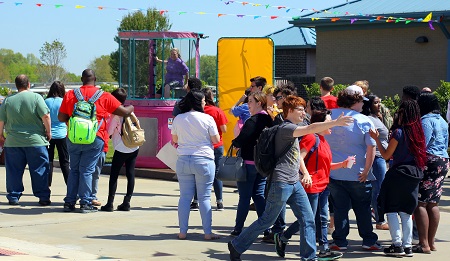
314	89
391	103
443	95
5	91
106	87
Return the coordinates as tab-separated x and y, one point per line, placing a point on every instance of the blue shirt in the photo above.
59	129
348	141
435	129
241	111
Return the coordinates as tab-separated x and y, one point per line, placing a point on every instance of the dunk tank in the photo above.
238	60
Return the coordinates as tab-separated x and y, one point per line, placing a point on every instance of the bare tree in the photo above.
52	56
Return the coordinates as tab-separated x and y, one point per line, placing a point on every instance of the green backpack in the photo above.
83	124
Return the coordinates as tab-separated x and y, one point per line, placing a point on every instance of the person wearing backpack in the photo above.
122	155
316	153
285	186
26	120
254	185
84	154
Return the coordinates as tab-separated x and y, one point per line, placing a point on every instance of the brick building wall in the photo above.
294	65
388	57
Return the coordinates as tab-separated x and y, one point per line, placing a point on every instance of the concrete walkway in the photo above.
148	231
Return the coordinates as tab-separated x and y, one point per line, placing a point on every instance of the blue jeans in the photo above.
16	158
195	172
379	171
319	206
279	194
253	188
401	237
83	160
96	175
217	184
356	195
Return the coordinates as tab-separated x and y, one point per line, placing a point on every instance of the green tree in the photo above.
443	95
314	89
71	77
52	56
101	67
208	65
150	20
13	64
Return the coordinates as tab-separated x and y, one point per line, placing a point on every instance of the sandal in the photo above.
419	249
212	237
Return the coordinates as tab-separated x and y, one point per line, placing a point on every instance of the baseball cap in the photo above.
355	89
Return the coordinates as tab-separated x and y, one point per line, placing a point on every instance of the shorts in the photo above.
172	85
430	187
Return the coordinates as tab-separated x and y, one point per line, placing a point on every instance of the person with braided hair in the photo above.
407	146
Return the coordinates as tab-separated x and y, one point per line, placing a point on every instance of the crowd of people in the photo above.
333	154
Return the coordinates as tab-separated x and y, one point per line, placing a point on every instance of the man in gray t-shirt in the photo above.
285	186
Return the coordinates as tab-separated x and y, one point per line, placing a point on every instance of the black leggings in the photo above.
63	154
118	160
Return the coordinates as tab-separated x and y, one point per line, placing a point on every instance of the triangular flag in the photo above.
408	21
100	8
273	17
39	5
180	13
267	6
256	16
18	3
240	16
335	19
79	6
353	20
201	13
244	3
428	17
58	6
219	15
430	24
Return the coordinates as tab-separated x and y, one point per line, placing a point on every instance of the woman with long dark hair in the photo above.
430	188
195	133
59	131
371	109
398	193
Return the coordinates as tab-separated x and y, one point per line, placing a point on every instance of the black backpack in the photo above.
264	151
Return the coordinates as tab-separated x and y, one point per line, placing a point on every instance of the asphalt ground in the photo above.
148	231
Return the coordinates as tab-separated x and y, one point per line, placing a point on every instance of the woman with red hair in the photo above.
399	190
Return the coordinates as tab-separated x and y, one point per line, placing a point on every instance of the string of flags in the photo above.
351	17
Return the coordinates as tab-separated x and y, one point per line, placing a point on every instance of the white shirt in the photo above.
115	129
194	130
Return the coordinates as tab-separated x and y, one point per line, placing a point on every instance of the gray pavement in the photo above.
148	231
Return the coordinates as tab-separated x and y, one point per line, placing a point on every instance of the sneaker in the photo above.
280	246
373	247
194	206
45	202
88	209
14	203
220	206
394	251
408	252
335	247
69	207
269	238
234	255
325	255
235	233
383	226
252	207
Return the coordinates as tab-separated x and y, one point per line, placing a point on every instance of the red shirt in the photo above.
321	177
220	119
330	101
105	105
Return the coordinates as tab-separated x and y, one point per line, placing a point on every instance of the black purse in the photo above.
232	168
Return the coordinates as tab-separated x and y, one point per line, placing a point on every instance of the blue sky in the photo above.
89	32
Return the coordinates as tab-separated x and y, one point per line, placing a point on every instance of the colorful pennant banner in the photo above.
351	19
